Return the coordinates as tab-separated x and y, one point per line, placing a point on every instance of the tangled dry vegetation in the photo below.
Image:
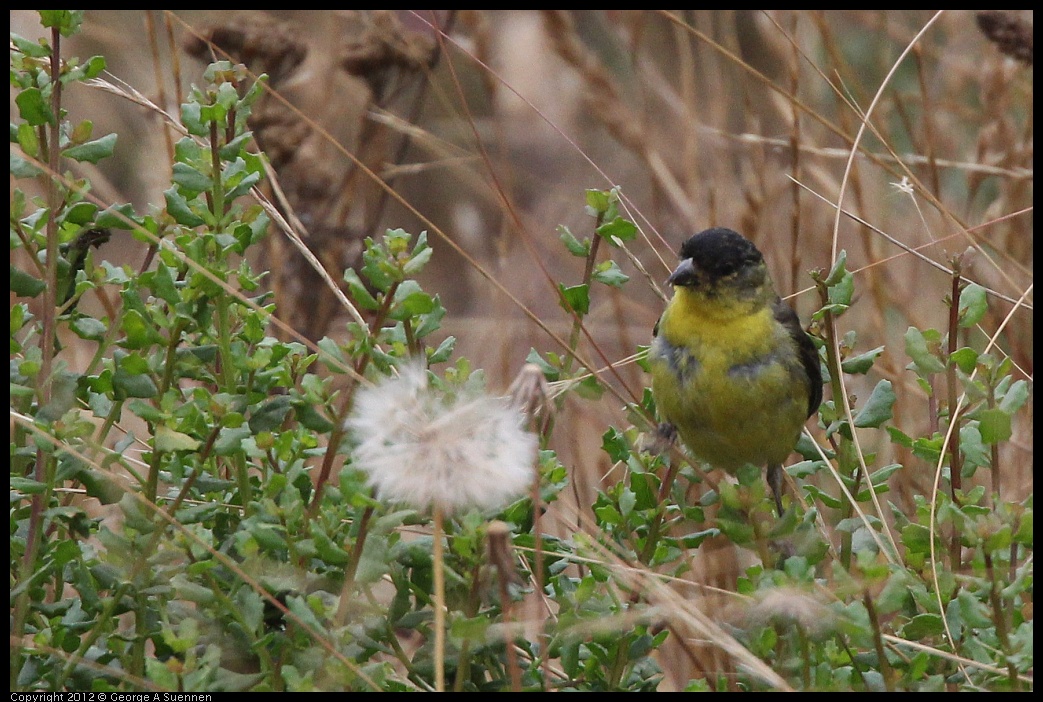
488	136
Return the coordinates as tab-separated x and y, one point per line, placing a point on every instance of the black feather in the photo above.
785	315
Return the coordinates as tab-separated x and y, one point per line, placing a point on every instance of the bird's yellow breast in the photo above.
729	377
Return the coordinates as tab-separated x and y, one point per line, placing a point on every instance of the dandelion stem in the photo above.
537	530
439	602
502	561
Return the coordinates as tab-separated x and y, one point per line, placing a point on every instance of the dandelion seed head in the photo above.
791	606
421	447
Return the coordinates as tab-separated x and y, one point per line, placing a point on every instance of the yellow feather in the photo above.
726	372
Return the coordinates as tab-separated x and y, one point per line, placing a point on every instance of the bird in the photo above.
734	374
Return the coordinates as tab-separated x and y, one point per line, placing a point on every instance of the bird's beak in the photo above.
684	274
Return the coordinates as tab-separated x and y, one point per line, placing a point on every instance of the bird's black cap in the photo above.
720	251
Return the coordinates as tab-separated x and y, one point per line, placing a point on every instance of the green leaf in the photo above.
25	285
117	217
28	140
695	539
139	332
115	274
839	270
430	322
929	448
615	444
881	476
803	469
311	419
27	485
92	151
574	245
81	213
474	629
179	209
973	305
824	497
20	168
359	293
627	500
607	515
550	372
1015	397
373	561
973	611
192	119
590	388
101	486
132	363
418	259
443	352
329	551
841	293
66	21
410	301
187	150
35	49
877	409
923	626
598	200
89	328
974	451
618	230
191	179
860	364
91	69
329	348
63	396
965	359
918	346
916	538
168	439
163	286
608	272
242	185
126	385
234	149
999	540
270	415
269	536
895	593
20	316
575	298
994	425
33	108
230	440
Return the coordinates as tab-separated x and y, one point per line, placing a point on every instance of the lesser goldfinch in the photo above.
733	372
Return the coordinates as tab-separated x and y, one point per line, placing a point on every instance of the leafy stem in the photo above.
44	459
588	272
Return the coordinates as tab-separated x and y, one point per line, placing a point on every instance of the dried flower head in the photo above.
792	607
426	448
530	394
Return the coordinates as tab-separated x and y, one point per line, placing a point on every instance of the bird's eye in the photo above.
722	268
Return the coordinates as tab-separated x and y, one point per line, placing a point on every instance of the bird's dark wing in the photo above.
808	354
